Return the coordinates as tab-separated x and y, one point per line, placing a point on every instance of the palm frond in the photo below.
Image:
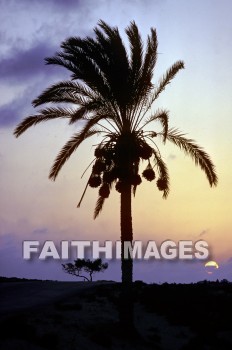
64	89
200	157
150	56
136	48
166	79
144	82
95	119
44	115
68	149
162	116
118	69
90	48
78	115
83	68
118	48
88	167
60	61
99	206
88	109
83	194
98	68
149	63
163	172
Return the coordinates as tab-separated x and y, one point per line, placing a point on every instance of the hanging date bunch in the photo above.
117	162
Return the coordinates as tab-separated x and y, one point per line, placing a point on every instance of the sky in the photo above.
199	100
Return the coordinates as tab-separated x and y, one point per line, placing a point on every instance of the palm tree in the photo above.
111	91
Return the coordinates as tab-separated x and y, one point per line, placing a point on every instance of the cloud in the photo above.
11	112
20	106
23	64
26	68
68	5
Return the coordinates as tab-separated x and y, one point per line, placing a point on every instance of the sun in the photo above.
211	266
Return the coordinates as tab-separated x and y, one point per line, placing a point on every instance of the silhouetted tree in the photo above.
110	94
88	266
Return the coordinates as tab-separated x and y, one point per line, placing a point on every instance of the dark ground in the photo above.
82	315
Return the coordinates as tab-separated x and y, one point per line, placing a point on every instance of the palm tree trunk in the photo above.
126	311
126	234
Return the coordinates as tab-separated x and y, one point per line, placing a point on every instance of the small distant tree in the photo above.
81	266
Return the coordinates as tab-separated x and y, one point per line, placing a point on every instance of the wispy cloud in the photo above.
11	112
26	68
24	64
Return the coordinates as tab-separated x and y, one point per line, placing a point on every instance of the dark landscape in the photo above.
84	315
